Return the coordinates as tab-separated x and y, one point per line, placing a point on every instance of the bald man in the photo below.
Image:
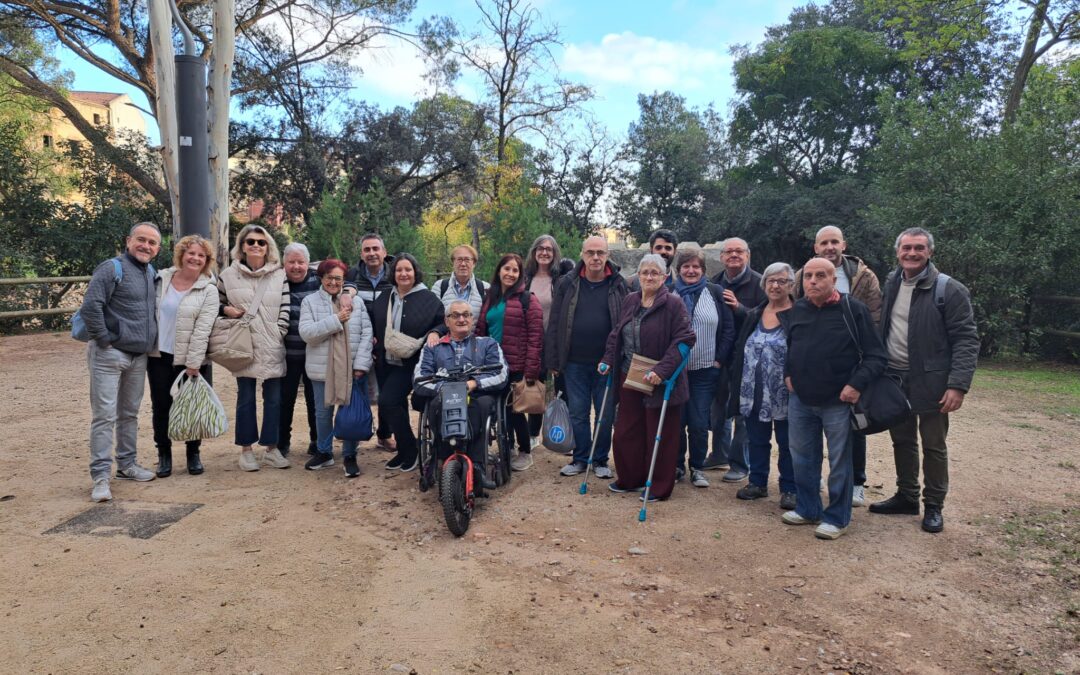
585	304
859	281
825	376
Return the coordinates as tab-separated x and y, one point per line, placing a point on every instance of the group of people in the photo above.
780	355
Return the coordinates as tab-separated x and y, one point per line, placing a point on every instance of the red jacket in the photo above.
523	336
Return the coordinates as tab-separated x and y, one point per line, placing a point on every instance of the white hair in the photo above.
296	247
742	241
655	260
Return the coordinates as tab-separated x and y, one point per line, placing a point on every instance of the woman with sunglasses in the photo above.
256	269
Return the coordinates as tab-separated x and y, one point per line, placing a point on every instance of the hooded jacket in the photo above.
194	319
236	287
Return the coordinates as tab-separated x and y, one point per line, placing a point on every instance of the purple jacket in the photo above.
663	327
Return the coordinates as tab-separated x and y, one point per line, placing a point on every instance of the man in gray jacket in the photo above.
120	312
929	330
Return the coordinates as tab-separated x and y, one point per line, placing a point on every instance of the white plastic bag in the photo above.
196	411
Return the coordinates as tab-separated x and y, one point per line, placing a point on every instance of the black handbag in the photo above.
883	404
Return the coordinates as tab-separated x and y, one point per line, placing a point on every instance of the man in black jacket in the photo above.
742	292
929	329
574	344
826	332
369	278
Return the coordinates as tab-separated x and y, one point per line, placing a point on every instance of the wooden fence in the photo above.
46	311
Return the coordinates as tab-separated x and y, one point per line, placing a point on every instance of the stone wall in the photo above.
628	258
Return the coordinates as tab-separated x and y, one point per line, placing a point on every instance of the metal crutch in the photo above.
596	434
685	351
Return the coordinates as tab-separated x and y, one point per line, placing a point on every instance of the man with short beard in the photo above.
663	243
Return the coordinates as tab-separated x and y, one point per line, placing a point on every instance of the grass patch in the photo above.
1048	537
1053	389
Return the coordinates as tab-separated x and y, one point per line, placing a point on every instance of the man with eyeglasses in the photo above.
460	348
463	284
929	330
859	281
663	243
120	312
585	305
742	292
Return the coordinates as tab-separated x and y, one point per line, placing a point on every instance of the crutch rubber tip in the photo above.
641	515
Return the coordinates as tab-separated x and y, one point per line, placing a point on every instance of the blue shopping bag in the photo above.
353	422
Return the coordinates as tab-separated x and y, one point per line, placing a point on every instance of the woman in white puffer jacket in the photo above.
187	305
255	259
339	342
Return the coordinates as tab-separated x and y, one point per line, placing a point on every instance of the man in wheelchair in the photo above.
458	349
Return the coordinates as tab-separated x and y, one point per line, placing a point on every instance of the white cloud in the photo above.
645	62
392	66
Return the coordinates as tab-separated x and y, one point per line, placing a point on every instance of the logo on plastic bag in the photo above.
556	435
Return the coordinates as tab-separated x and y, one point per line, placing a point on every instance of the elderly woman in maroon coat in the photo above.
514	318
653	323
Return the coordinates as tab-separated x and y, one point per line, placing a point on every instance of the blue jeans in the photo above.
695	416
760	437
247	424
805	426
725	444
584	393
324	424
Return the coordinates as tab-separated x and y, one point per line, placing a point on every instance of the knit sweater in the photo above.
295	348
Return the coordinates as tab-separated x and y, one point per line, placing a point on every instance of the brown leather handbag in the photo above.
528	398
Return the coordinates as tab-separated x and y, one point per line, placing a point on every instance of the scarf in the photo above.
338	364
689	293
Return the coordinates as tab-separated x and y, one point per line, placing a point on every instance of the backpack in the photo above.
78	324
444	285
939	291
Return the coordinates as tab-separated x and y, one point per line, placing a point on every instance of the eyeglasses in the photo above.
460	315
594	254
255	242
334	280
649	273
544	249
462	260
777	282
734	251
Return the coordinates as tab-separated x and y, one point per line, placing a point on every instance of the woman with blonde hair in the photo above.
256	272
187	305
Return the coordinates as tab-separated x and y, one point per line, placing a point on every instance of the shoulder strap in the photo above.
443	285
849	323
256	300
939	290
118	270
480	289
526	298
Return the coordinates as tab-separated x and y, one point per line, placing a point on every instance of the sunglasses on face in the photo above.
255	242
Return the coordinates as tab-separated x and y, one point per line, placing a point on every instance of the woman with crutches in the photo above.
652	325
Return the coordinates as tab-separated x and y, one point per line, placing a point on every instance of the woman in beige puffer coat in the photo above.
187	305
257	266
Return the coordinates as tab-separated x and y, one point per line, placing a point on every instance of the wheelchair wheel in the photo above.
505	443
425	442
457	508
493	466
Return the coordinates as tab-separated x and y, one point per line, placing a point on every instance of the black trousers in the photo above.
161	372
290	385
395	383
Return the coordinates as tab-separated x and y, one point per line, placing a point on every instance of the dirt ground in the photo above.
297	571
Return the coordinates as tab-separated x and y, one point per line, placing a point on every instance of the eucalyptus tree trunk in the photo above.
221	70
165	74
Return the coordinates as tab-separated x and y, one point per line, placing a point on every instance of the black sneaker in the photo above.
405	468
680	473
751	491
898	504
320	460
352	469
615	487
394	463
933	521
716	462
312	449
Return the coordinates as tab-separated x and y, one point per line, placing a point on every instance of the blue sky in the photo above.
620	49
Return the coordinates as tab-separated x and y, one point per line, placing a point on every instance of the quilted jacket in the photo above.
318	321
194	318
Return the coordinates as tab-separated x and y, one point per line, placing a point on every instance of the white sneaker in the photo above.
533	442
274	458
793	518
523	461
136	473
827	531
101	492
858	495
698	479
248	461
602	471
